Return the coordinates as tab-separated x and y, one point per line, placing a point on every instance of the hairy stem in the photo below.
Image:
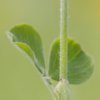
61	89
63	39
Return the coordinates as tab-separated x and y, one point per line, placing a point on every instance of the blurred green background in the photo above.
18	79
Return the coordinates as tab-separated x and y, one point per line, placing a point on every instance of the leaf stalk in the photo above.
63	39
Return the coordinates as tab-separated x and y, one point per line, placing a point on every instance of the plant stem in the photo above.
63	39
62	88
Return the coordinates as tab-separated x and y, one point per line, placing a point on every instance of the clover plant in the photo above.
68	63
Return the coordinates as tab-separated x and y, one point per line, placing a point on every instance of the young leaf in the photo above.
80	66
27	39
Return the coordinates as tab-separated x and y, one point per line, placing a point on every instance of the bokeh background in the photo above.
18	79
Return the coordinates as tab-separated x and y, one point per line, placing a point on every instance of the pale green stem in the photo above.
62	88
63	39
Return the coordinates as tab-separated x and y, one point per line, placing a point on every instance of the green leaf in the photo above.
27	39
80	66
